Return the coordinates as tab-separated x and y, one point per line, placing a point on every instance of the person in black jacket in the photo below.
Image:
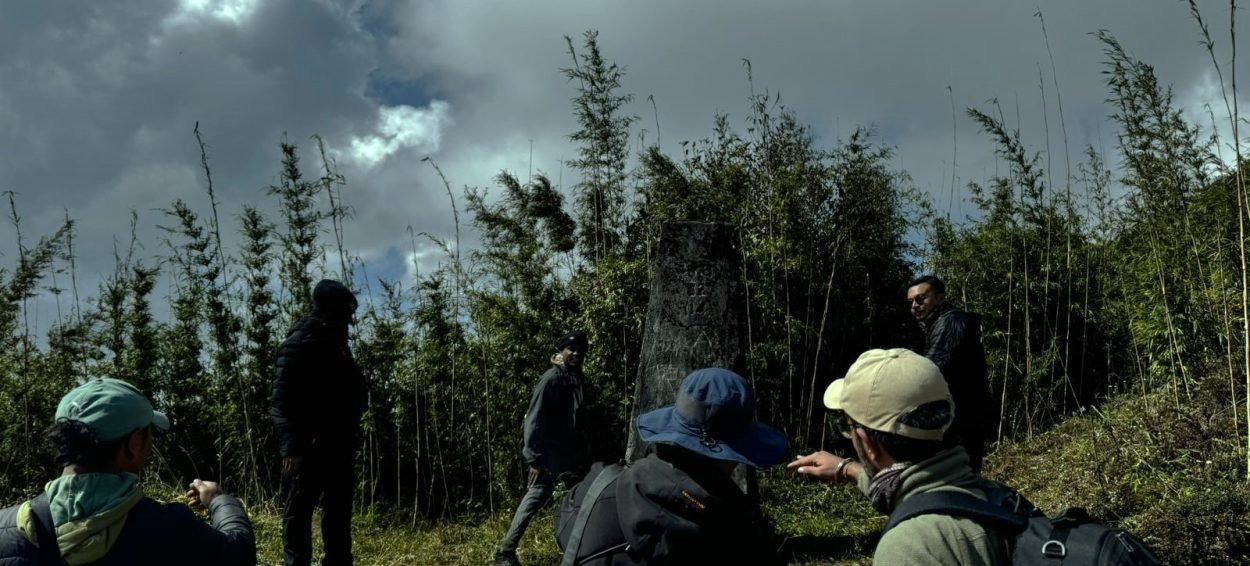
952	341
96	512
318	398
679	504
550	436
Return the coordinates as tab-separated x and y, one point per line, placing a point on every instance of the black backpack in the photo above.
1071	537
572	516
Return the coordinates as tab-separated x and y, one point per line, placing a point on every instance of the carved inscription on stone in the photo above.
694	314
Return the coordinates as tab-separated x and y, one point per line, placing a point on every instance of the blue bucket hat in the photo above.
714	417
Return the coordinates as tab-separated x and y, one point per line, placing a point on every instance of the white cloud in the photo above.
428	258
1203	104
402	127
233	11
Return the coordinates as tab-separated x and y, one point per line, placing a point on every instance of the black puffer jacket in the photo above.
157	534
683	513
953	343
319	392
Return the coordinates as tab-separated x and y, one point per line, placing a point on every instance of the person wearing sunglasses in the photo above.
952	341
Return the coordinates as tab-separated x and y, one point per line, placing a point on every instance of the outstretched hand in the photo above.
822	465
202	493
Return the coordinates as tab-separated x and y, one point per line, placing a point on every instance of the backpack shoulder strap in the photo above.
958	504
49	550
601	482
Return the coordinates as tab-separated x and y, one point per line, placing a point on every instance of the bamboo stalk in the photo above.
1243	206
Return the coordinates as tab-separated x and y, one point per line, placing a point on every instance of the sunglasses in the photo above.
844	425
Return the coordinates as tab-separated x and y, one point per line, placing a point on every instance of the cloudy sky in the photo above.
98	99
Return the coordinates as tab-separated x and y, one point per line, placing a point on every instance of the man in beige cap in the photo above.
895	406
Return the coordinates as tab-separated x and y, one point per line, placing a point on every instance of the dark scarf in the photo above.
883	488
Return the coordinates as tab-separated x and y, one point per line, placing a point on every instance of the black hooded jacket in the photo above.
668	513
952	341
319	392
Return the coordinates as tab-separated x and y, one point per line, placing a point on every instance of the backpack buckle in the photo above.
1054	549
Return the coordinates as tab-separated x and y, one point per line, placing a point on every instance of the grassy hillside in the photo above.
1167	468
1169	473
823	524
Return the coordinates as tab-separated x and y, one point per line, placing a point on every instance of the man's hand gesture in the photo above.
202	493
825	466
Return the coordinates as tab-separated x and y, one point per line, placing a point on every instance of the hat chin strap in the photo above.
711	423
706	438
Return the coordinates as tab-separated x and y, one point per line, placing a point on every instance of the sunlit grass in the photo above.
1172	476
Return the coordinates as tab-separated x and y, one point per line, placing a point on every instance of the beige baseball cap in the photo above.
883	386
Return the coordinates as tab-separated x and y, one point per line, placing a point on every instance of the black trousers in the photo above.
328	477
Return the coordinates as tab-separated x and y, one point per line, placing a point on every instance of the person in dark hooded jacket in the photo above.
96	513
550	436
952	341
679	504
318	398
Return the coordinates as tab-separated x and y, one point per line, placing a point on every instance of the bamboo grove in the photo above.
1126	273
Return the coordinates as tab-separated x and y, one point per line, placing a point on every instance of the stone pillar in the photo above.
696	316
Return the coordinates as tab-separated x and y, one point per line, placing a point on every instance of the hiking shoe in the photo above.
507	558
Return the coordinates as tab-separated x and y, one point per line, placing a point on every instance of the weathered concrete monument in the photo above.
696	317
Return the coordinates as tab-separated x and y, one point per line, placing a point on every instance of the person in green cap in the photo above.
96	512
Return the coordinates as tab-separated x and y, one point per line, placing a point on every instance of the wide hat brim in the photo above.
761	446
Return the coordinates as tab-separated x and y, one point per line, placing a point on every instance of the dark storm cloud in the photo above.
97	100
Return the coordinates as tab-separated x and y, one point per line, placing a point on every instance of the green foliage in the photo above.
1136	292
259	342
300	247
1172	477
603	148
821	232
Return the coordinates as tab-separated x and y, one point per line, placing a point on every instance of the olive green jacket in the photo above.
939	540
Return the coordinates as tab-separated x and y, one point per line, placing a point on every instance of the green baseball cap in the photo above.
110	407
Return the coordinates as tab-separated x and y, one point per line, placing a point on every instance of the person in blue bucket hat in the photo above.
714	416
679	504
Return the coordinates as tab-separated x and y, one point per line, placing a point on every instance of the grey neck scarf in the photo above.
884	486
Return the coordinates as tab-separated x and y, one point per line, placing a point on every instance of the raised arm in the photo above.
228	541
